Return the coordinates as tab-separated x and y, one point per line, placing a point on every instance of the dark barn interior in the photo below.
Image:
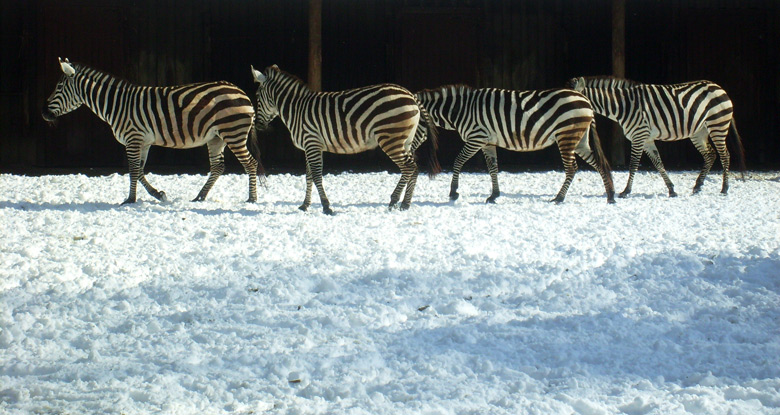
514	44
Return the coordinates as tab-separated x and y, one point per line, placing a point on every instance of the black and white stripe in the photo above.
344	122
519	121
699	110
215	114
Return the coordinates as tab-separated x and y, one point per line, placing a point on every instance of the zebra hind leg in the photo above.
566	146
410	184
703	146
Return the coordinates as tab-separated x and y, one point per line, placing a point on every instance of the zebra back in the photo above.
181	116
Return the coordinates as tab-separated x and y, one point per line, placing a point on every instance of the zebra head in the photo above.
65	97
577	84
266	107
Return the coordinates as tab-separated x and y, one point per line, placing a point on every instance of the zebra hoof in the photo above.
199	198
328	211
405	206
624	194
558	200
161	196
128	201
611	200
672	193
304	207
251	200
454	196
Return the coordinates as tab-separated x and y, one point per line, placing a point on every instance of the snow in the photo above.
654	305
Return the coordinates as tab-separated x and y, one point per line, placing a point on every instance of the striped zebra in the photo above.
345	122
698	110
519	121
215	114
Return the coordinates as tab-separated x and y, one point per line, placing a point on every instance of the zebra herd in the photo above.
390	117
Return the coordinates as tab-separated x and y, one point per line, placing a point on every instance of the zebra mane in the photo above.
286	75
608	82
97	74
457	87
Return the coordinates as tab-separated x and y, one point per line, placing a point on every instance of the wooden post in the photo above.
618	142
315	45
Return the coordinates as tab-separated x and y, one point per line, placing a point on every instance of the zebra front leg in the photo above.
469	149
159	195
655	157
701	142
314	164
133	148
637	144
216	166
492	164
566	146
309	182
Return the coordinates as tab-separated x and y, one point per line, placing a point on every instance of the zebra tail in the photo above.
736	146
431	144
254	150
595	143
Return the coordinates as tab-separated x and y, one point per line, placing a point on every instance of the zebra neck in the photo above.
287	94
102	93
612	103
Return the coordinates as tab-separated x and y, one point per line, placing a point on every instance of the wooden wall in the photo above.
519	44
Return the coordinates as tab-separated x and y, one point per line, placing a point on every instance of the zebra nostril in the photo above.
48	115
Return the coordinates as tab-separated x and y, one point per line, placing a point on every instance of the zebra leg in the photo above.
159	195
637	144
237	145
314	163
566	147
216	166
655	157
589	156
469	149
492	164
411	182
309	182
133	148
702	144
725	160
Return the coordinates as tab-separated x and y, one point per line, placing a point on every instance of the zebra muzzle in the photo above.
48	115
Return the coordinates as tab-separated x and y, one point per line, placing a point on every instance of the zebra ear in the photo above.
259	77
67	68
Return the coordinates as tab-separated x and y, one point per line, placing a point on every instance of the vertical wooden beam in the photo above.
618	142
315	45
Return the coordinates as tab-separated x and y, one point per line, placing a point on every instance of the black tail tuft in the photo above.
430	136
254	149
735	142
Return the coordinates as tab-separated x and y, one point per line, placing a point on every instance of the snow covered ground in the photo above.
650	306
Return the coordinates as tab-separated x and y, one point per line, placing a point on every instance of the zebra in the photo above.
521	121
699	110
346	122
214	113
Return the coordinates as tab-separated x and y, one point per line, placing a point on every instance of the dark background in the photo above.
521	44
